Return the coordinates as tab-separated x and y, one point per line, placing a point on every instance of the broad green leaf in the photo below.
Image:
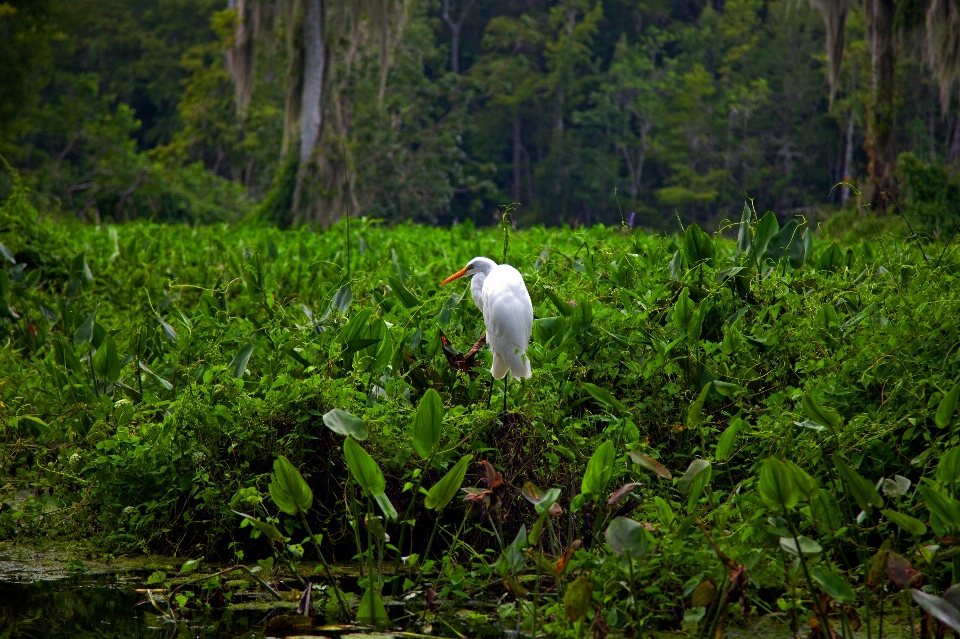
696	467
342	298
695	411
190	565
428	424
166	385
7	253
947	407
626	535
945	508
834	585
371	609
832	259
168	331
346	424
948	468
288	489
697	246
513	557
799	252
267	530
84	334
598	472
744	235
408	299
441	493
803	481
820	414
728	439
777	486
807	545
864	492
547	500
364	470
239	362
603	396
780	244
106	363
938	608
825	511
683	311
910	524
386	506
578	598
767	227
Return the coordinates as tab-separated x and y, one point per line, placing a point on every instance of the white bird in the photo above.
500	294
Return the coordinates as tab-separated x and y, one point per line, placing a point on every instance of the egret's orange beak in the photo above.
455	276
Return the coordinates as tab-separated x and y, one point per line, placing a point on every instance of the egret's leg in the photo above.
505	378
489	392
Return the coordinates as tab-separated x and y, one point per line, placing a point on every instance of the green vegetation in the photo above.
762	420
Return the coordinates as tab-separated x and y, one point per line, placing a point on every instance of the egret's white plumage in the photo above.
500	294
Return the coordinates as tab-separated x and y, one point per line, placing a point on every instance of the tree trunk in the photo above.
881	117
516	156
314	61
953	152
847	163
455	28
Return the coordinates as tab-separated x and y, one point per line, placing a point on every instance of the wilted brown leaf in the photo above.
703	595
650	464
902	573
561	566
621	493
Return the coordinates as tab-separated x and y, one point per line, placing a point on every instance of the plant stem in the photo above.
806	573
404	525
326	567
633	594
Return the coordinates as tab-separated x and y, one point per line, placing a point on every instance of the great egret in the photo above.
500	294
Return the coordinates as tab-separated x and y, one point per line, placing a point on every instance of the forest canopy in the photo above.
612	111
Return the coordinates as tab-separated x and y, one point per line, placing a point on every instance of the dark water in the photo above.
106	607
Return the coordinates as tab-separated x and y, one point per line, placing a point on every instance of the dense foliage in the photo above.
748	394
580	112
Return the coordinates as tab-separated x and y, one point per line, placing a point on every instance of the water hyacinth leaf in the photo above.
364	470
948	468
910	524
697	246
386	506
408	299
819	414
346	424
947	407
267	530
343	298
288	489
599	471
603	396
777	486
578	598
744	234
834	585
806	545
626	535
728	439
239	362
864	493
621	493
164	383
372	610
106	363
694	470
428	424
190	565
695	412
441	493
938	608
650	464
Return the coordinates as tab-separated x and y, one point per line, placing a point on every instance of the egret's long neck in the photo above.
476	288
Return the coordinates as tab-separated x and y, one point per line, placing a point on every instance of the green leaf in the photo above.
696	467
744	235
945	508
863	491
766	229
800	249
832	259
408	299
807	545
626	535
546	501
780	243
697	246
938	608
365	471
803	481
168	331
695	411
346	424
167	385
728	439
604	397
267	530
948	468
777	486
7	253
683	311
825	511
513	557
190	565
834	585
947	407
441	493
386	506
84	334
910	524
342	298
106	363
288	489
599	471
371	609
428	424
820	414
578	598
239	362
